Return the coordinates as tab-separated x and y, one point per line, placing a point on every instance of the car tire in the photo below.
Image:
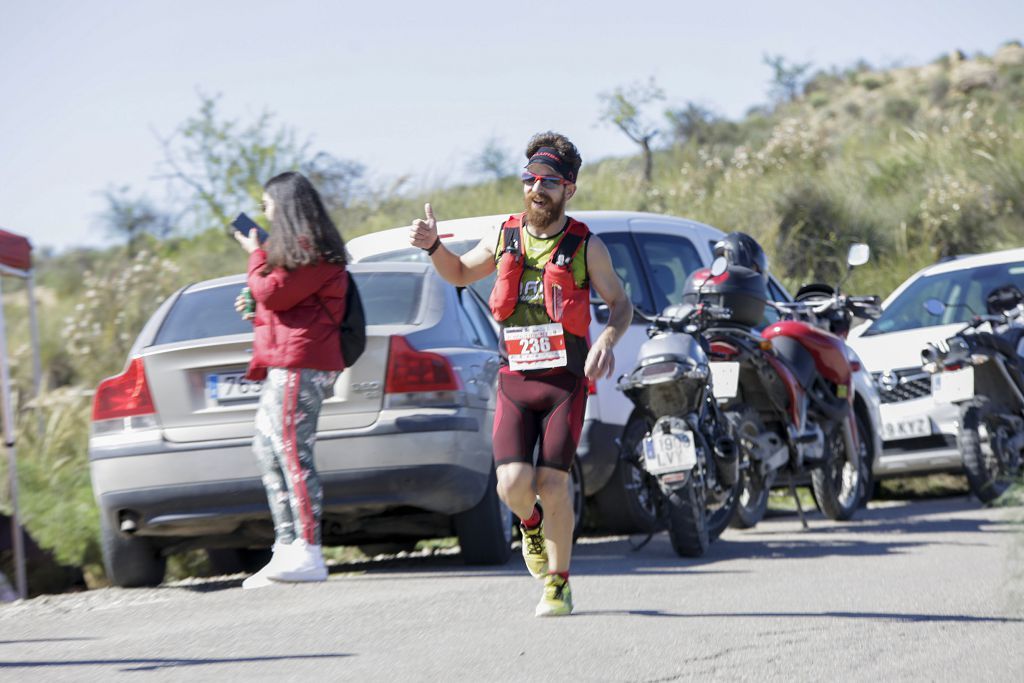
130	561
485	530
625	504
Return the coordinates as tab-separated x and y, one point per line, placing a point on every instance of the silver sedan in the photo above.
404	446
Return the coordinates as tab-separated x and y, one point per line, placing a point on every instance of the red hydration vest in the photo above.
563	300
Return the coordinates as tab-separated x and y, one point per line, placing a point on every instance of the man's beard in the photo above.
543	215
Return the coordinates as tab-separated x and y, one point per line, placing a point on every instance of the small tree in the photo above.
787	79
623	108
220	165
130	217
493	161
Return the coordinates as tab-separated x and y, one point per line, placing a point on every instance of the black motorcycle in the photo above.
677	436
981	370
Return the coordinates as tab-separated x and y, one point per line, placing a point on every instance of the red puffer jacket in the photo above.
291	328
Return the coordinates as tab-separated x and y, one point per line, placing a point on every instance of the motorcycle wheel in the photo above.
987	474
687	521
752	492
836	484
627	504
720	510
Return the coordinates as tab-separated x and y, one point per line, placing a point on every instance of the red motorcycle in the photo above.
791	403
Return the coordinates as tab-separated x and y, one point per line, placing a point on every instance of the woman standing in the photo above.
298	280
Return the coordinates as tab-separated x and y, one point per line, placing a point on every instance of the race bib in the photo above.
535	347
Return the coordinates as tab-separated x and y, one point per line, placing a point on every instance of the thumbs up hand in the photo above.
423	233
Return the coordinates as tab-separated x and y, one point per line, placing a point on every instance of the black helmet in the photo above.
1003	299
740	249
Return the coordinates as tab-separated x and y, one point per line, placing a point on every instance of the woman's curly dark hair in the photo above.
302	231
565	148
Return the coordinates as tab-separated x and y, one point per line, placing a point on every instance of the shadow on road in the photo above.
615	555
874	616
156	664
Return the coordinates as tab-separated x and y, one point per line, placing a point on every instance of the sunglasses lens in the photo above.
550	183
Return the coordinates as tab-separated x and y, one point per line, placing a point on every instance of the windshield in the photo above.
388	299
963	292
412	254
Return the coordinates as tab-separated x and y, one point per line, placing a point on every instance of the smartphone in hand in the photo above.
244	224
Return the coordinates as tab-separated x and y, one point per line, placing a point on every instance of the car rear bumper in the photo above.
213	488
925	455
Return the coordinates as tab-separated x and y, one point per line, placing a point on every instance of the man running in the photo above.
546	262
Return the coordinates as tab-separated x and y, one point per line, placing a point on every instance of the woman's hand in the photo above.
249	242
240	306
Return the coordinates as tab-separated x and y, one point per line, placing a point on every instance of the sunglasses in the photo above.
548	182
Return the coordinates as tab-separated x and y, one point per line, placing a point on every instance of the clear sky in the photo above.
402	87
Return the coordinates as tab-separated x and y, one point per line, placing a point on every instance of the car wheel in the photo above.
626	503
130	561
485	530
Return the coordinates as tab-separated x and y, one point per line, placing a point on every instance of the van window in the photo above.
670	260
626	263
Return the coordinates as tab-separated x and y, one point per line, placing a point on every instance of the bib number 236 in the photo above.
535	347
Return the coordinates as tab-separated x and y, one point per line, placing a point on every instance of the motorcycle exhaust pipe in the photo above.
727	460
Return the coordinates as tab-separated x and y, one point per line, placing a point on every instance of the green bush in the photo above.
900	109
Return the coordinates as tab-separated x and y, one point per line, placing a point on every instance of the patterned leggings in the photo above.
285	434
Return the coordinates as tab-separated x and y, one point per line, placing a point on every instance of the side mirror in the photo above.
719	266
858	255
934	306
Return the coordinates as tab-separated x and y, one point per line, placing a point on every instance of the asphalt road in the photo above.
931	590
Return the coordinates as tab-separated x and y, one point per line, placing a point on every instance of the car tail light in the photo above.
419	377
124	401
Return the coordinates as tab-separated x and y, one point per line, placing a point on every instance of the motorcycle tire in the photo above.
687	521
836	484
627	504
717	519
752	491
981	464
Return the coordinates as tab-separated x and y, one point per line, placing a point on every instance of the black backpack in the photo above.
353	326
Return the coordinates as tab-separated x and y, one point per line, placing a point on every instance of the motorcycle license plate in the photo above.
950	387
673	452
725	379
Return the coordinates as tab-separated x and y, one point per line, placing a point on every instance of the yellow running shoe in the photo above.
535	553
557	598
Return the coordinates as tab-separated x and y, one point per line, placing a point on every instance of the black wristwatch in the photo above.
433	247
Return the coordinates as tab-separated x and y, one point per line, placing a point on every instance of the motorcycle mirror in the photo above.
858	255
934	306
719	266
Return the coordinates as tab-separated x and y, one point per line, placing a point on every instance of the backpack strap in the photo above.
511	237
572	239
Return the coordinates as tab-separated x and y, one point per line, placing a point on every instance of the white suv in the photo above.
919	435
653	254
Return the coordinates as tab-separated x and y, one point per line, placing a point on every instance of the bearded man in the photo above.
546	264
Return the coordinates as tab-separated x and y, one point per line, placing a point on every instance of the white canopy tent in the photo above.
16	261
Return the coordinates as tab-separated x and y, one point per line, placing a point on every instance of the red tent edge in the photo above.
15	251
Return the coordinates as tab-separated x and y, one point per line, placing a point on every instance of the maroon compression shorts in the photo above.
549	407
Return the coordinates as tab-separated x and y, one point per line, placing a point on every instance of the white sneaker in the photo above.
259	579
300	562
